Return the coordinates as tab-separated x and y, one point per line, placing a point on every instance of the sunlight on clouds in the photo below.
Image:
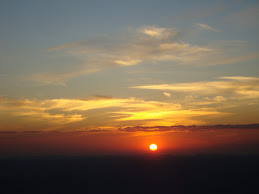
53	118
158	32
83	105
194	103
100	103
167	94
167	118
219	98
206	27
35	111
245	87
128	62
231	95
240	78
57	113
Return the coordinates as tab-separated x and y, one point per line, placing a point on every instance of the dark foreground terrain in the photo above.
130	174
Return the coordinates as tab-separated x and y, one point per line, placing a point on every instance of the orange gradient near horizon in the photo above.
49	143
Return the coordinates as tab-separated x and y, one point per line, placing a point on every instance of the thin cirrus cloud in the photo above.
206	27
236	86
144	45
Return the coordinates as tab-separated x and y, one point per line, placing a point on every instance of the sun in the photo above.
153	147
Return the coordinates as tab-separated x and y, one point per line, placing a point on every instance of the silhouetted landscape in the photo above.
130	174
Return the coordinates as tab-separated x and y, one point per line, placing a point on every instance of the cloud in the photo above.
128	62
32	131
33	114
237	86
158	32
206	27
143	46
167	115
167	94
190	128
151	129
240	78
219	98
108	113
231	99
100	111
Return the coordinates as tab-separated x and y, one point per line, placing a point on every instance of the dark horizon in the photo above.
130	174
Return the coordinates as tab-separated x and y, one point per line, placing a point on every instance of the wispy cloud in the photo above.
158	32
144	45
237	86
167	94
167	116
206	27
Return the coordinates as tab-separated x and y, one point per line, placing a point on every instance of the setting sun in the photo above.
153	147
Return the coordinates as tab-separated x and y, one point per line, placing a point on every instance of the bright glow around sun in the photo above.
153	147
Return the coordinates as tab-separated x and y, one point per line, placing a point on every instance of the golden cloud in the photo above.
236	87
60	114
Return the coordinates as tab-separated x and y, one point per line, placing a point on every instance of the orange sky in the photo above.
235	141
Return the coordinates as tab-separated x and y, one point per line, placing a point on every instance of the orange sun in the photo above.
153	147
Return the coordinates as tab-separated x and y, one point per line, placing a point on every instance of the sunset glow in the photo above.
129	96
111	78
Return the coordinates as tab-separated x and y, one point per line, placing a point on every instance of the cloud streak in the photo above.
167	94
237	86
190	128
206	27
151	129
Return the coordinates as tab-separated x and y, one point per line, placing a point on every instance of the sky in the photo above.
87	77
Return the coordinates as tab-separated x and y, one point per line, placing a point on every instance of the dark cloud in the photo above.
176	128
190	128
96	131
32	131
